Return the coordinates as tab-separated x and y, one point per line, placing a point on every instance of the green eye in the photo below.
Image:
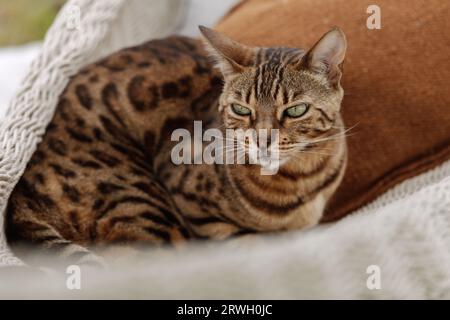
240	110
296	111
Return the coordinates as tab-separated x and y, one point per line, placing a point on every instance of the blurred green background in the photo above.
23	21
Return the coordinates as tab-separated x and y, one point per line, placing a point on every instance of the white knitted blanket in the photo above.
405	233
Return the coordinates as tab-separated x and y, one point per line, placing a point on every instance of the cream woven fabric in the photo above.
70	43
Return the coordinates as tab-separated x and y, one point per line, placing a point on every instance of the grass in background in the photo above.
23	21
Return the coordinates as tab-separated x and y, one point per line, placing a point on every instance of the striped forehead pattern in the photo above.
270	64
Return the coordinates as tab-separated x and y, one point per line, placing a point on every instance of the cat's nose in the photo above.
260	141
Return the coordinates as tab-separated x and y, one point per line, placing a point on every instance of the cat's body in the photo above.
103	172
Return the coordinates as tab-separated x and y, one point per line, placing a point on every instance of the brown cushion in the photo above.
396	82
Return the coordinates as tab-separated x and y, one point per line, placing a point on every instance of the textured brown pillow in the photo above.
396	82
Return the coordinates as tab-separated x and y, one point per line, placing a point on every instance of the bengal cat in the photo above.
103	172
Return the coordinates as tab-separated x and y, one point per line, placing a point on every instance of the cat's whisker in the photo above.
221	126
305	144
346	129
337	136
225	149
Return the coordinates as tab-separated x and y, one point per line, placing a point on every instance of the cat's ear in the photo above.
327	56
230	56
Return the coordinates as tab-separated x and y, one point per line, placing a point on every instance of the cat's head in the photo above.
295	91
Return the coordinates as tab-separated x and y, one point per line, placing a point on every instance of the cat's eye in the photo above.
296	111
240	110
